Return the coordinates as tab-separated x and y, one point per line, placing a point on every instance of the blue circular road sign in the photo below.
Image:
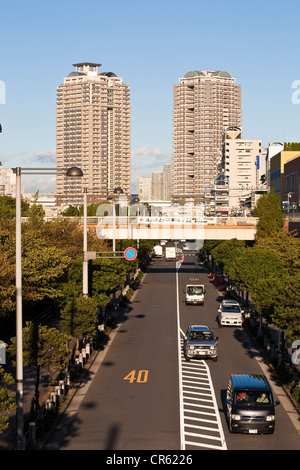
130	253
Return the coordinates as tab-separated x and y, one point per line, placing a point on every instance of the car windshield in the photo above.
231	308
200	336
194	290
253	397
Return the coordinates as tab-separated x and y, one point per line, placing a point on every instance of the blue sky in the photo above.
150	44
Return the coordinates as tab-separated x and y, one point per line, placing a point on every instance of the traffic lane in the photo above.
193	271
140	412
236	355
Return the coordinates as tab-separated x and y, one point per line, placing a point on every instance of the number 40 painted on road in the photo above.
141	377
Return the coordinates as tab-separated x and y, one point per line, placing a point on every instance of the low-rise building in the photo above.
291	184
277	171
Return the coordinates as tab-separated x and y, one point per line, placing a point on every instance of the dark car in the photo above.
250	404
199	342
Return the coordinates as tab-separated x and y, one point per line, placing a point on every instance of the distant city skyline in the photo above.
150	45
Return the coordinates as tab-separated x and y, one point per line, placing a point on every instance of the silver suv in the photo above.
199	342
230	313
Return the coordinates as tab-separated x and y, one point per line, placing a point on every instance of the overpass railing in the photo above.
149	221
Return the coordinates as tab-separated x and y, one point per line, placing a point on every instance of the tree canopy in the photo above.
269	269
269	211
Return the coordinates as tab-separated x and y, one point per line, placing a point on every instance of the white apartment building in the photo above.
162	184
93	132
157	186
8	182
241	163
168	177
205	103
144	186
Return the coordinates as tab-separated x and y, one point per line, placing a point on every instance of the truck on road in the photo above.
158	251
194	294
170	253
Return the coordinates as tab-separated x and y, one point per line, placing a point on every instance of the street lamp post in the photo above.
136	200
117	191
19	316
85	267
71	172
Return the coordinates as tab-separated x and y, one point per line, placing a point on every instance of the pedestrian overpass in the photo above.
155	228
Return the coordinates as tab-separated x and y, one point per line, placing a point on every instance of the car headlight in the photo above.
190	347
236	417
270	418
213	347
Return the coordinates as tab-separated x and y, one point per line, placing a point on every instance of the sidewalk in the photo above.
70	402
8	438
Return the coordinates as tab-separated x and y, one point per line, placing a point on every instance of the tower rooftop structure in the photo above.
90	69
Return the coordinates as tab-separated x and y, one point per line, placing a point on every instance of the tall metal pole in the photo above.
85	287
71	172
19	320
114	227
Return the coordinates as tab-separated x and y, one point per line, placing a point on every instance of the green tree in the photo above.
286	245
6	399
8	207
71	211
79	317
280	298
42	266
36	213
74	211
225	253
269	211
256	268
7	285
43	347
107	275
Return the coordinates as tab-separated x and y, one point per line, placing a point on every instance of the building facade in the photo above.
157	186
168	176
277	171
93	132
292	183
8	182
144	188
243	166
205	103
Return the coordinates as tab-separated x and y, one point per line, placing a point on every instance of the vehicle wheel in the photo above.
186	358
215	359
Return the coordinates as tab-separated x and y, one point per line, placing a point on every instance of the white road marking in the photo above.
200	422
202	425
181	417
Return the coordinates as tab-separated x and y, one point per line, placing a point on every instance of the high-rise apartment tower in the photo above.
205	103
93	133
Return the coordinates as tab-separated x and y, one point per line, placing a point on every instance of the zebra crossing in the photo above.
201	423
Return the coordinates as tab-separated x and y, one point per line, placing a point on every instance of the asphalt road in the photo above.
136	399
236	356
